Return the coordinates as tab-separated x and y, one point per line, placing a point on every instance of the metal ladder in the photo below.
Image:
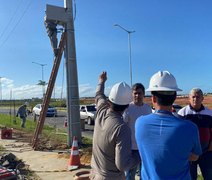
49	90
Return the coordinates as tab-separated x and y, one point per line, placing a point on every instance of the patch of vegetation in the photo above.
51	134
199	177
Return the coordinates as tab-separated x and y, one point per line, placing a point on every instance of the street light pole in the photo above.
42	75
41	68
0	89
129	45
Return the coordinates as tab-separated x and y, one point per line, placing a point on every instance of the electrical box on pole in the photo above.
55	13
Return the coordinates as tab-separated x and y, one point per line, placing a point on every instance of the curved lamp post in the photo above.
129	45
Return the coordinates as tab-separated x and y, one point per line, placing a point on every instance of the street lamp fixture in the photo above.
129	45
43	82
42	65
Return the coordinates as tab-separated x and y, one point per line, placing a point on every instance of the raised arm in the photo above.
103	77
100	96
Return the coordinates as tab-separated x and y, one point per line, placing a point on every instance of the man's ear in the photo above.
153	99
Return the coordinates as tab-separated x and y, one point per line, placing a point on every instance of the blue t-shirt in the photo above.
165	143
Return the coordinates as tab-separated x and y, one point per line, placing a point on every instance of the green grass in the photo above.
49	132
200	177
14	122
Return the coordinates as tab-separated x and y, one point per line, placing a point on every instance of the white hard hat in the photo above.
121	94
26	103
163	81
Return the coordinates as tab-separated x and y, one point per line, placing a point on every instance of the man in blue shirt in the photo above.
166	143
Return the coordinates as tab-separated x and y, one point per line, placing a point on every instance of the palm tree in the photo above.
43	84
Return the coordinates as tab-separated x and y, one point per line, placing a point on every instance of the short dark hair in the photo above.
118	108
138	86
165	99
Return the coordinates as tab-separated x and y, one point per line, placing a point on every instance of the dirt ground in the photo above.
46	145
183	101
51	145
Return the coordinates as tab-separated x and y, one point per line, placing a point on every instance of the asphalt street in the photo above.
57	122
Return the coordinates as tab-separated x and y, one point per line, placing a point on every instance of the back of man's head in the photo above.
165	98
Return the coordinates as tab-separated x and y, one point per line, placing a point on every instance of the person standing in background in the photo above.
136	109
22	112
202	117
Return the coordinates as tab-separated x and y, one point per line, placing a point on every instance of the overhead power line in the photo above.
11	19
19	20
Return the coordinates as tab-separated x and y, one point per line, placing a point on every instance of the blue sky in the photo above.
170	35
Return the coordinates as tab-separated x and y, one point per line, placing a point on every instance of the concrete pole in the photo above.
74	125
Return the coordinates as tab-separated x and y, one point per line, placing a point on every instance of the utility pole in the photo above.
64	17
74	125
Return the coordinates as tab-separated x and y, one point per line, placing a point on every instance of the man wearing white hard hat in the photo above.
111	153
166	143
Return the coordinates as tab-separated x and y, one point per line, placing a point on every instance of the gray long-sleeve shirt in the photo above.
112	153
22	111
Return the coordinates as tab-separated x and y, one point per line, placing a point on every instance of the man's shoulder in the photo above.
207	111
147	117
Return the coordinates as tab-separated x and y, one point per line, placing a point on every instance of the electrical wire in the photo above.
11	19
75	10
19	20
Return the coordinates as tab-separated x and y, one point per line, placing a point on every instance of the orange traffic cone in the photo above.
74	161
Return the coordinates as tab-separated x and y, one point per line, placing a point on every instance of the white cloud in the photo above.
85	90
28	91
6	83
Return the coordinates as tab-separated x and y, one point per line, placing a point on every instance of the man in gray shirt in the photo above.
136	109
111	154
22	112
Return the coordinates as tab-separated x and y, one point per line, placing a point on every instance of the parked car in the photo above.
52	111
176	108
88	112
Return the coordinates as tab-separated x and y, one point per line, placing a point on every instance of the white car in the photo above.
52	111
87	112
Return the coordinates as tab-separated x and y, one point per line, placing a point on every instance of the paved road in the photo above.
57	122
